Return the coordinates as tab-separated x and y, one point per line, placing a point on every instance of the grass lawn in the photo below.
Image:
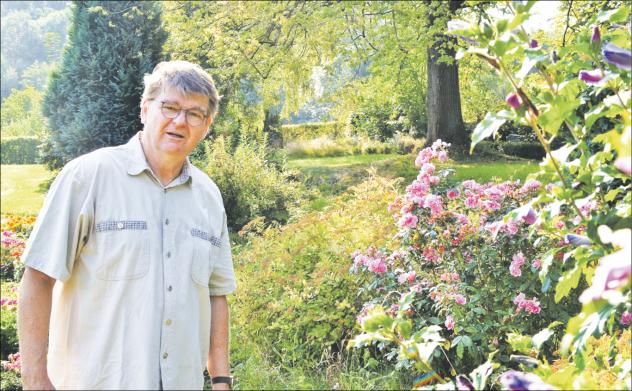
333	175
21	192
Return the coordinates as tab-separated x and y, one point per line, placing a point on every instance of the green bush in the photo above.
251	185
10	380
345	146
297	299
405	144
308	131
525	149
20	150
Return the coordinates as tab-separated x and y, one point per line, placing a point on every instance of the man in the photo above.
129	261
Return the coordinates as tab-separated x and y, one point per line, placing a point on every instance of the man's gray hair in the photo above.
186	78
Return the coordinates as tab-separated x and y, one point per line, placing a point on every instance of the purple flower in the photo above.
591	77
533	44
576	240
530	217
596	34
514	381
514	100
463	383
619	57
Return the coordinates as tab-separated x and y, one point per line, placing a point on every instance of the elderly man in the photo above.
129	262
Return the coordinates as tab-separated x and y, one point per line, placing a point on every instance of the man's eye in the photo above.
196	114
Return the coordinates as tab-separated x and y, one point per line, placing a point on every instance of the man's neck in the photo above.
165	168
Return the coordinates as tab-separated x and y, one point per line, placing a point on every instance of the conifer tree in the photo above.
93	98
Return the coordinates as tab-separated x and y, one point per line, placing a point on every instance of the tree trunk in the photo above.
445	120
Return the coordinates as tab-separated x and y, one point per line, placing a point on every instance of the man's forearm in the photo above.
34	308
218	356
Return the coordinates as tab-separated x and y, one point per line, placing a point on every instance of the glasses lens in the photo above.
195	118
170	111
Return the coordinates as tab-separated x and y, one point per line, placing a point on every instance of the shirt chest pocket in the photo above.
123	247
205	245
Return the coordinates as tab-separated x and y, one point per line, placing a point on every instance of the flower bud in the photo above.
514	100
533	44
596	35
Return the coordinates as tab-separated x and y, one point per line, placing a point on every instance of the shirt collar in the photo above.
137	162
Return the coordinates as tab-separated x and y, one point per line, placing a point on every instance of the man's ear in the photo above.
143	111
208	127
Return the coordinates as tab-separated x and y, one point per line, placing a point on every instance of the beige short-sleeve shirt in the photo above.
136	263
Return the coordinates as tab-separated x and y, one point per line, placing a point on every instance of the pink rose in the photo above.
449	322
459	299
626	317
408	220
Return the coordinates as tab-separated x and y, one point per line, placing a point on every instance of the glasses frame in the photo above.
186	114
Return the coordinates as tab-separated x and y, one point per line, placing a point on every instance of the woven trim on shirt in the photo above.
118	225
206	236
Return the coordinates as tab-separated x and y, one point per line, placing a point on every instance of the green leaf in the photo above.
541	338
480	375
559	110
614	16
519	342
561	154
567	282
405	327
487	127
547	261
426	349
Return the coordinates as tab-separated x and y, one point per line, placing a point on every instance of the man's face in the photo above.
173	137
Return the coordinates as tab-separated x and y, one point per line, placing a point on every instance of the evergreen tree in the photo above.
93	99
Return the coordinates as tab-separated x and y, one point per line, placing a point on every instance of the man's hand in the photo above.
33	323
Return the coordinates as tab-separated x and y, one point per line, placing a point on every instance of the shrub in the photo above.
250	185
296	298
20	150
458	263
308	131
525	149
327	147
404	143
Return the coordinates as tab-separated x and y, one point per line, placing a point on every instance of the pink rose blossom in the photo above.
626	318
452	194
449	322
407	277
455	277
459	299
377	266
442	156
409	220
536	264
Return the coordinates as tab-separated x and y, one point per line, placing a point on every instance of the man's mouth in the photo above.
175	135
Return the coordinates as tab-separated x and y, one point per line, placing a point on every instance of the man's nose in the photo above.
181	118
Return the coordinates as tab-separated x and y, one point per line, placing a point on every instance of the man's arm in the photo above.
34	307
218	361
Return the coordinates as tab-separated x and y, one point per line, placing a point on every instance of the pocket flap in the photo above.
119	225
214	240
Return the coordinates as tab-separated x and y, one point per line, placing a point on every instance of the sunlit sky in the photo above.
543	14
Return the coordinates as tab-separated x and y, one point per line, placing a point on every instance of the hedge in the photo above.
524	149
19	150
308	131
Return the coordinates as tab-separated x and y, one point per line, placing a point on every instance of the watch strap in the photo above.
222	379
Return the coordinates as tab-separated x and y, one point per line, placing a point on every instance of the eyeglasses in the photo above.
194	117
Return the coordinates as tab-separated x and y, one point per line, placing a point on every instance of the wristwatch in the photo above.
223	379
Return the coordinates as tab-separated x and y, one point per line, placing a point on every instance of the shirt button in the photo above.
168	322
167	221
119	225
168	255
169	288
165	355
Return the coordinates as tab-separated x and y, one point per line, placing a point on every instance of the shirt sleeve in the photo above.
62	226
222	281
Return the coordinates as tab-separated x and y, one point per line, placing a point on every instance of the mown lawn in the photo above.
22	192
331	176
